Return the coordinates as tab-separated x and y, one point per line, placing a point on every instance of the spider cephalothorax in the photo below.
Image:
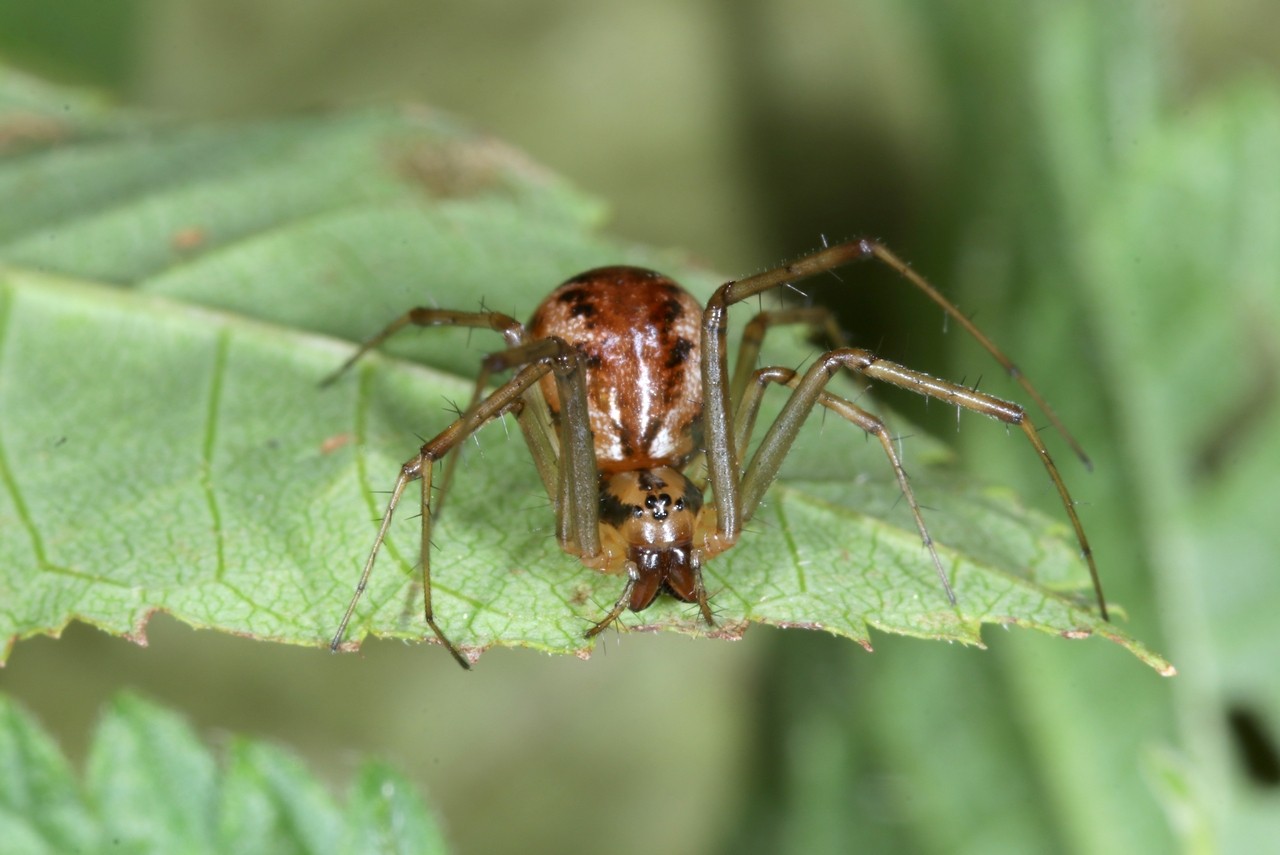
647	523
621	380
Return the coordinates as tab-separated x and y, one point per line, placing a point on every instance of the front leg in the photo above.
506	398
577	479
866	249
722	454
768	458
773	449
511	329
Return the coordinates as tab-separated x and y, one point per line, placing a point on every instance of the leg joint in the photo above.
565	361
714	315
853	358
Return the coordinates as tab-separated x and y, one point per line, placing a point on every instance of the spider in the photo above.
621	388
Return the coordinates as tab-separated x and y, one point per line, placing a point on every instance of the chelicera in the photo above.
621	386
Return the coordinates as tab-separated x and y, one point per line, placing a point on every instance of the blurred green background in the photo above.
1094	181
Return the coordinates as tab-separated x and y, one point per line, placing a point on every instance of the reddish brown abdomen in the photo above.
637	331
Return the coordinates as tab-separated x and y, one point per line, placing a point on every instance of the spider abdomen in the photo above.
637	331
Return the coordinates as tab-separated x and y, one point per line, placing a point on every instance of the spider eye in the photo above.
650	501
680	504
637	511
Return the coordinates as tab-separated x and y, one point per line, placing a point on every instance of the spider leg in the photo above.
821	322
511	329
768	457
577	473
536	425
576	480
867	249
773	448
618	608
507	397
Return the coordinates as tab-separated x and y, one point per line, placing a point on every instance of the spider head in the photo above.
654	511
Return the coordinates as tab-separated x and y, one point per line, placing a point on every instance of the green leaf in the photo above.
164	445
384	814
40	806
150	786
1199	420
1149	266
137	755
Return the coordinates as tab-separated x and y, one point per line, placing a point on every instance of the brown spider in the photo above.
622	382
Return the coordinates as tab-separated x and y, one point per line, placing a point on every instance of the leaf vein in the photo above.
210	448
802	583
6	474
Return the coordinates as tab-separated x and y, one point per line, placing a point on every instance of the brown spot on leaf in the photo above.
452	169
20	131
333	443
188	238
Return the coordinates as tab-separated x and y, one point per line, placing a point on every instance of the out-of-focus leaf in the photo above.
152	787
